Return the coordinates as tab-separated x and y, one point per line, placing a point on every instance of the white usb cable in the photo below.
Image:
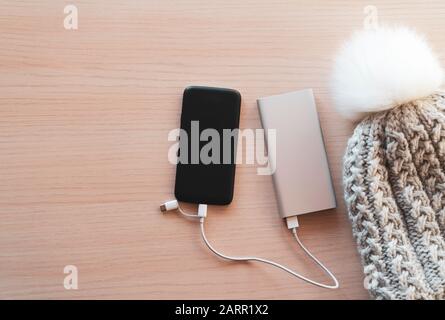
292	224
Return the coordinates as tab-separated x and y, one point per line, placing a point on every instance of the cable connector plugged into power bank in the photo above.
292	222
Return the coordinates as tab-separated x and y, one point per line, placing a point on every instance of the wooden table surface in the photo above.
84	118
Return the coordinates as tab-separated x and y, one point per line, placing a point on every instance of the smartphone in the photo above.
205	172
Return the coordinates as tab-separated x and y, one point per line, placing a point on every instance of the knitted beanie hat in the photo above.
394	166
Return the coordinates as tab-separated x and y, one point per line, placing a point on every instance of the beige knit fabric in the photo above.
394	180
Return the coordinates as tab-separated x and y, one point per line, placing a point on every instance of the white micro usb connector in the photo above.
169	205
202	210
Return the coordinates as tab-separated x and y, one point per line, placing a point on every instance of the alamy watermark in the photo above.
371	20
71	280
211	146
71	20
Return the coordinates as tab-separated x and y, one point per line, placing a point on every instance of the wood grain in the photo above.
84	117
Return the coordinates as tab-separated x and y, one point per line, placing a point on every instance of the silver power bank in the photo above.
301	178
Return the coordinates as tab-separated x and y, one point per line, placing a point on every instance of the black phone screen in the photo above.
205	172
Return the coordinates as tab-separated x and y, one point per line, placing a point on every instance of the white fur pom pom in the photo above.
383	68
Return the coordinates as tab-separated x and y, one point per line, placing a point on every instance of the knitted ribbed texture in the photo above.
394	180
